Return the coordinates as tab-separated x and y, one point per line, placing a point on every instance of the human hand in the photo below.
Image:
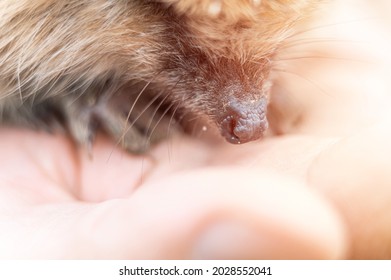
292	197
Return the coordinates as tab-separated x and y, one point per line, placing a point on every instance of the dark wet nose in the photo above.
242	122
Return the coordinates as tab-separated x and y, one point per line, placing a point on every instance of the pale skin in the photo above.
321	190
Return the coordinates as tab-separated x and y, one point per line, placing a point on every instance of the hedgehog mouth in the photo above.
240	131
242	122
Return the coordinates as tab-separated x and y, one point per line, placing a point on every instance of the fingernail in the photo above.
237	240
228	240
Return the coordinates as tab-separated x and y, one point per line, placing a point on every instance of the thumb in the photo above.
217	213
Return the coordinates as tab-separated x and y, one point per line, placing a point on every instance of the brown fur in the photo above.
83	63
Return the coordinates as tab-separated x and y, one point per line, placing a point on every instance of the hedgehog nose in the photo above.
242	122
